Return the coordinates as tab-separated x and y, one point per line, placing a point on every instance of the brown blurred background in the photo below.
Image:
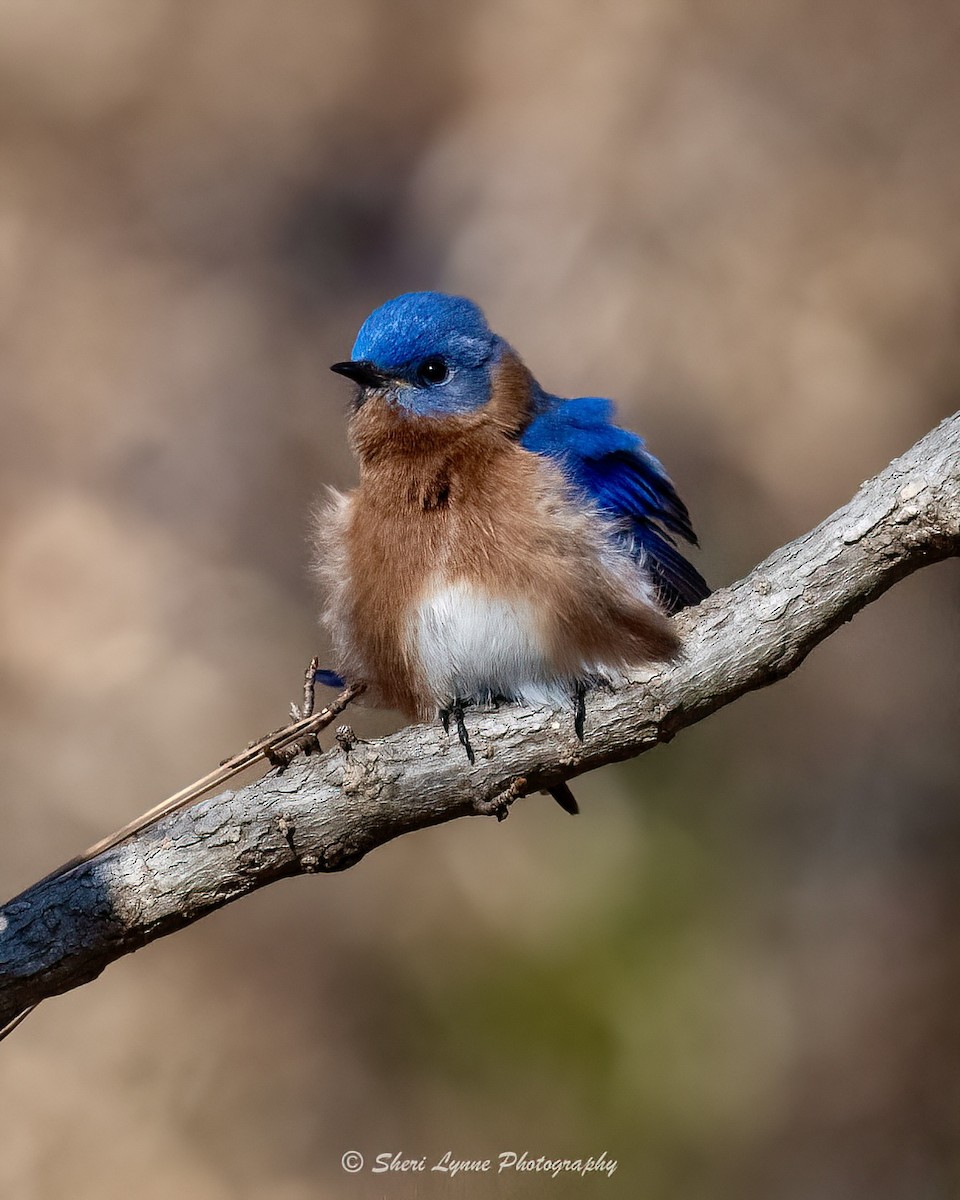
738	971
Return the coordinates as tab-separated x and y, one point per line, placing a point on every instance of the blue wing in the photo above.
612	467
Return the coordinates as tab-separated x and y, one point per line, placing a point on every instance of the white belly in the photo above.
474	646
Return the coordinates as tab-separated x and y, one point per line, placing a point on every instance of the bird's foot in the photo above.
455	710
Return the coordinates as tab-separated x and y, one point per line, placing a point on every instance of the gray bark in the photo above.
326	813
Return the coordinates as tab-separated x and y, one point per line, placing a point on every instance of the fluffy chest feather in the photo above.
469	643
462	567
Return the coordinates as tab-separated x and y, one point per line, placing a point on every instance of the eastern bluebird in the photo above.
503	543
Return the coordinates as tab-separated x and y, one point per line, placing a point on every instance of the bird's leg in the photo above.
455	710
462	730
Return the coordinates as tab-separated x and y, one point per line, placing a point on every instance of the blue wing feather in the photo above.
622	478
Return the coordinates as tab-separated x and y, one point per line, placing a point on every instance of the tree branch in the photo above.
325	814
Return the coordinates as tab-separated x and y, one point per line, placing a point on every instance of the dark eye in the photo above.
432	370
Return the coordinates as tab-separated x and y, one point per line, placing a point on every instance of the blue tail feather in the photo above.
329	679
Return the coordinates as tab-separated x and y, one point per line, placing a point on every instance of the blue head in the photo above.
430	353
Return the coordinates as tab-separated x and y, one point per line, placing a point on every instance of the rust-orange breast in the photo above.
462	567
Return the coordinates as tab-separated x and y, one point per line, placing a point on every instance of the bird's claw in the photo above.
579	707
455	710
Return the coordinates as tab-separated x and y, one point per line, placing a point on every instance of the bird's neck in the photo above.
410	463
384	433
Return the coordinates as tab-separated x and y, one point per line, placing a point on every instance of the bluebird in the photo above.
503	544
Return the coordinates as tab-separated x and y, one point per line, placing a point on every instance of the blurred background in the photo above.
737	973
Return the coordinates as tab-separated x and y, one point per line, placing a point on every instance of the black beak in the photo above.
362	372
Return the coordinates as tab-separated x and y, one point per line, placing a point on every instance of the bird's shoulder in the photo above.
613	468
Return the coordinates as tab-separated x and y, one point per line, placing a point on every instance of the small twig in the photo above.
345	738
278	748
17	1020
302	711
499	806
273	748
